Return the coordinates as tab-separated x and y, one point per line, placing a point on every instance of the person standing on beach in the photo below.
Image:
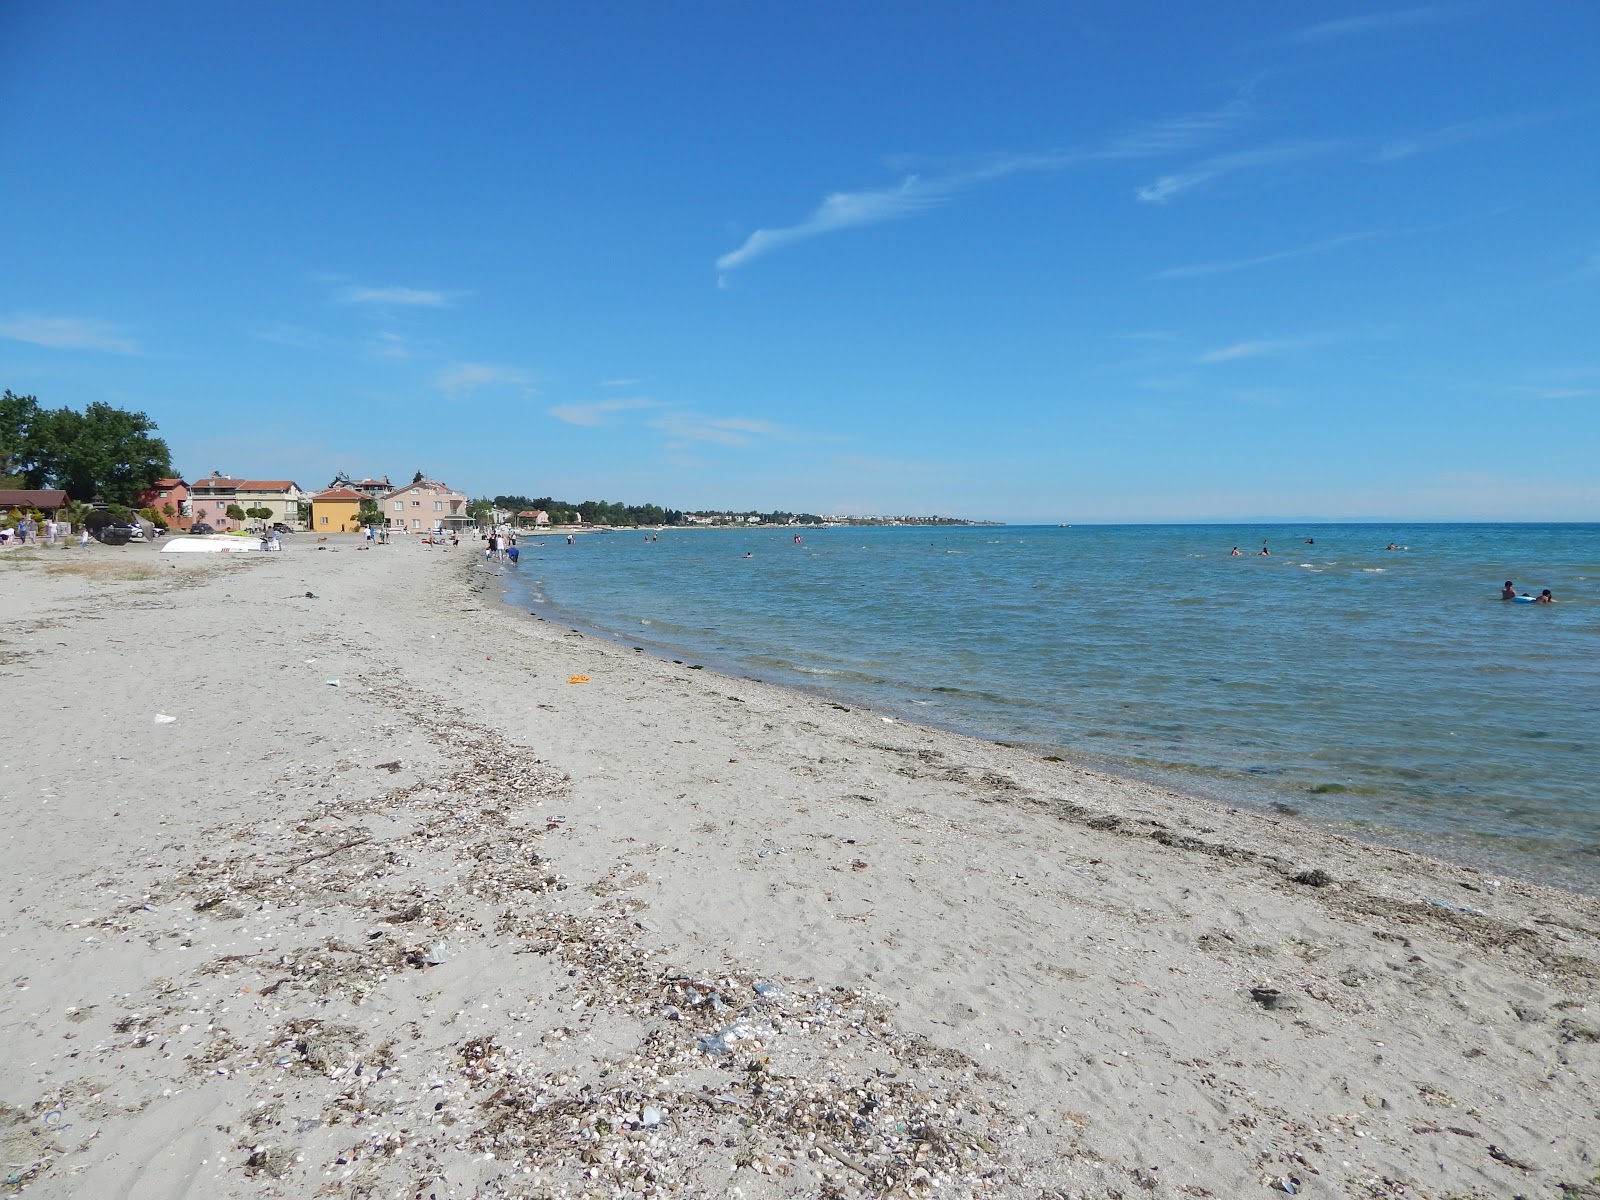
1509	592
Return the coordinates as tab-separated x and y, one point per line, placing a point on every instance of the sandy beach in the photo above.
415	895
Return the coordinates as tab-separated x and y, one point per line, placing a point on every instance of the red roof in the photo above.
338	493
212	483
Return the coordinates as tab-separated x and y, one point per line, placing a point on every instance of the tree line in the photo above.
607	512
102	453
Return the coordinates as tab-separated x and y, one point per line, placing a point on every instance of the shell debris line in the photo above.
321	992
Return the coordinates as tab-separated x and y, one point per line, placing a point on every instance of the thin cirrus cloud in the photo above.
916	194
1169	187
1459	134
1241	350
68	333
459	381
1196	270
1178	134
683	430
392	297
598	413
1379	22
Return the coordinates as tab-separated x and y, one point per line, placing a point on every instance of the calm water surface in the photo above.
1391	692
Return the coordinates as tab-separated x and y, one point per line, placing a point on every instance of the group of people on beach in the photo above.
502	547
1509	592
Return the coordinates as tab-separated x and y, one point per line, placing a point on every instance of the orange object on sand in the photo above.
579	679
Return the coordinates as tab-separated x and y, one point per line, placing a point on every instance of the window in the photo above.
416	522
324	520
416	504
399	506
438	506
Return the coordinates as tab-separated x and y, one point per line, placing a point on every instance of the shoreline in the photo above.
330	936
1170	779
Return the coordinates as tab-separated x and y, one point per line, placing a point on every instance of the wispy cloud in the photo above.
387	344
1243	264
912	195
844	210
1379	22
1170	186
392	297
685	429
459	381
68	333
1180	134
598	413
1246	350
619	383
918	192
1459	134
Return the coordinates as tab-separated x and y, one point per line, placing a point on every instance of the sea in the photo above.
1389	693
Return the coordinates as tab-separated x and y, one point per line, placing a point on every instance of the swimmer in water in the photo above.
1264	550
1235	552
1509	592
1544	597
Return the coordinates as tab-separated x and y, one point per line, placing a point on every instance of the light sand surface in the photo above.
459	926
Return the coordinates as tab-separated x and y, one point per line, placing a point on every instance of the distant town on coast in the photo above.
104	470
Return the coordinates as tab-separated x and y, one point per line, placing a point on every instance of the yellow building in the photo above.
336	510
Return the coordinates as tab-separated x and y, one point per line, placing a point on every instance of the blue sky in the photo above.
1030	262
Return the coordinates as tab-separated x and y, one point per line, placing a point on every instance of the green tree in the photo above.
103	451
16	413
235	513
368	512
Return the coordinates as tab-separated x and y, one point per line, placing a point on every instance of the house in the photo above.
336	510
25	500
210	497
373	489
426	504
533	516
170	499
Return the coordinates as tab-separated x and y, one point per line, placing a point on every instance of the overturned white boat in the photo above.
201	544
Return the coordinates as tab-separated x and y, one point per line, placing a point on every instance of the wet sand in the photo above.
459	925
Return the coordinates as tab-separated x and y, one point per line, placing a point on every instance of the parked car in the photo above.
280	527
115	535
201	527
136	533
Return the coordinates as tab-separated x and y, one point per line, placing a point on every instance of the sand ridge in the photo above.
458	926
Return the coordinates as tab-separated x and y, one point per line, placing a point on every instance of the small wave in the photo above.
1373	570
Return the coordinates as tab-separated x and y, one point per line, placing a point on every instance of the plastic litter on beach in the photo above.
578	679
1456	908
333	683
163	719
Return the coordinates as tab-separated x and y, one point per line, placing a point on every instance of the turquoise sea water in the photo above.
1391	692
